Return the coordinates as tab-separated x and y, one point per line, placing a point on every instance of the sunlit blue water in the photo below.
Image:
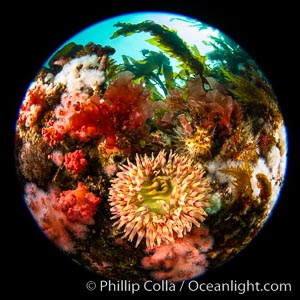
100	33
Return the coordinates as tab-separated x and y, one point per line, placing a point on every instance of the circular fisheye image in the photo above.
150	146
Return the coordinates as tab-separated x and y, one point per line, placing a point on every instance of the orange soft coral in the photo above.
124	107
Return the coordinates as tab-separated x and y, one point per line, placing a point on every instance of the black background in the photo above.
32	266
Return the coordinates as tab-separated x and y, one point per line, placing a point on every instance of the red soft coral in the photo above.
91	120
51	134
79	205
124	107
75	162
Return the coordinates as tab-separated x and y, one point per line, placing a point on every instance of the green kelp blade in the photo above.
164	38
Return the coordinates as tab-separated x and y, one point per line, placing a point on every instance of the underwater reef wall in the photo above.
162	166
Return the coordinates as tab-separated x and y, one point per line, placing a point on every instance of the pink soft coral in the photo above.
62	215
32	105
181	260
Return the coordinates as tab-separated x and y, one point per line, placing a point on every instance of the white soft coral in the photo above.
81	73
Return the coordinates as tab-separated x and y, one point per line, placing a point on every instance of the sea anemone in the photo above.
159	198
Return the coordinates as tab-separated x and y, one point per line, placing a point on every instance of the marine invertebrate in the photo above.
154	165
265	186
33	162
158	198
124	107
182	259
33	104
62	215
243	191
57	157
75	161
215	204
79	205
242	144
266	140
80	73
196	144
76	114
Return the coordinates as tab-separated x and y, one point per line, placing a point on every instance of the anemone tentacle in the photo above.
159	198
